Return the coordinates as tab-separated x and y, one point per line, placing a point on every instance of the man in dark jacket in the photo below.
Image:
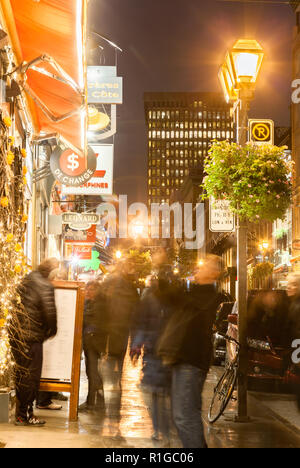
194	355
36	322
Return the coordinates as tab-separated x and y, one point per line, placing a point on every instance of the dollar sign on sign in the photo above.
73	163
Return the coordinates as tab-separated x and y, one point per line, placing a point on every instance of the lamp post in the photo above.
238	76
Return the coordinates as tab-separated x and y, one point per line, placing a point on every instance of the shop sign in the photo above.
71	168
221	218
80	236
80	221
104	86
102	181
261	131
81	252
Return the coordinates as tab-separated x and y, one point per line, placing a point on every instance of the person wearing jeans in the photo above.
192	351
187	384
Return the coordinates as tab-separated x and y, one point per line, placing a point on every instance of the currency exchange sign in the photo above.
71	168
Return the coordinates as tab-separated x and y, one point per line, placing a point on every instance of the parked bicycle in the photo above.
223	392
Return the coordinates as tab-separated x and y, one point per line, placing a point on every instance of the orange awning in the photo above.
57	29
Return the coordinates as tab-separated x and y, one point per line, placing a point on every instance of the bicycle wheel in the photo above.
222	394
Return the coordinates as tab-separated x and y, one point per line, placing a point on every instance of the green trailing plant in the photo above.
255	179
262	271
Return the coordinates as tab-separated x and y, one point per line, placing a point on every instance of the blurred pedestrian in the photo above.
187	344
36	322
121	299
153	313
293	326
94	343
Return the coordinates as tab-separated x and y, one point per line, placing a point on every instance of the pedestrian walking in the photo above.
187	344
153	314
36	322
121	300
94	344
293	324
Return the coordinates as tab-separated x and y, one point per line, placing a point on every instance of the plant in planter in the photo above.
255	179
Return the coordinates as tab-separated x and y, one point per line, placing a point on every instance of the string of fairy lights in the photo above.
13	219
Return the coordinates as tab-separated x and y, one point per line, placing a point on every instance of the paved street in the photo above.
98	430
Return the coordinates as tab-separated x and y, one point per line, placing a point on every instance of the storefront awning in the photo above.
49	36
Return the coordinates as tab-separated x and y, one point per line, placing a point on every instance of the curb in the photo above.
277	416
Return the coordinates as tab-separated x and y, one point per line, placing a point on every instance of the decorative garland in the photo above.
256	179
12	231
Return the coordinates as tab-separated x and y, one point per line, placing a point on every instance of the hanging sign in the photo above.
221	218
104	86
72	169
80	221
102	181
81	252
80	236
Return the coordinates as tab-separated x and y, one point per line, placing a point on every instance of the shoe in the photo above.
100	402
36	422
52	407
85	408
60	397
21	422
155	436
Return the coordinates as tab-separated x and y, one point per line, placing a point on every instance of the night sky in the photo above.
178	45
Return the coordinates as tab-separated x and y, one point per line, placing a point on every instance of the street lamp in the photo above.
238	76
264	246
118	254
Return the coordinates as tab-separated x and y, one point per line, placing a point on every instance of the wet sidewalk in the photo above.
99	430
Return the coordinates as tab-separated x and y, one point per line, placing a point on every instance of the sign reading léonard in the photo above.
104	86
78	220
72	169
221	218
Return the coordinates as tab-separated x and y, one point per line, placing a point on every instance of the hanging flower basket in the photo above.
255	179
262	270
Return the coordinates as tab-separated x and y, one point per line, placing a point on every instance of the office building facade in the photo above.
181	127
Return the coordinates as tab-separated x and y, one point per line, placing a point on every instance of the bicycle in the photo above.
224	390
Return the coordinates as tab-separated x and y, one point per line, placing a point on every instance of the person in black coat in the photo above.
35	322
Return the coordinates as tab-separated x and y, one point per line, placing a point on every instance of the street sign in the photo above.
221	218
261	131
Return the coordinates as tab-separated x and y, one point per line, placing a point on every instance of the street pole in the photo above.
242	138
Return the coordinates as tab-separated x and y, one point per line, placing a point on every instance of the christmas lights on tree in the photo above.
13	219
